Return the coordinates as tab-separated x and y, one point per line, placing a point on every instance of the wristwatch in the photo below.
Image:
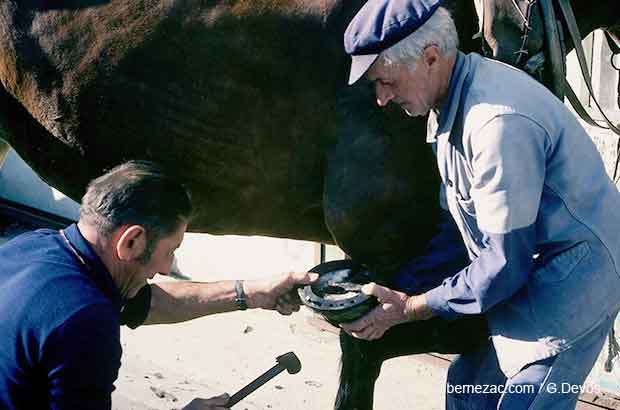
240	299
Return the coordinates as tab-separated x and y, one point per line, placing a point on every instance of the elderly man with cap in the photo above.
530	196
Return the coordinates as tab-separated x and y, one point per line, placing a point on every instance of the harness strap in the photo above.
555	50
571	24
576	37
613	45
615	50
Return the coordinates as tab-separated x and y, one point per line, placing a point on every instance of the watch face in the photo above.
337	295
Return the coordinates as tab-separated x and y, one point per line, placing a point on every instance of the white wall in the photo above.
19	183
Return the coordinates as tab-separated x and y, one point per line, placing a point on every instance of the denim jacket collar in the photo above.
447	113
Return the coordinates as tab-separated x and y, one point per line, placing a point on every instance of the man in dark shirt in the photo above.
64	294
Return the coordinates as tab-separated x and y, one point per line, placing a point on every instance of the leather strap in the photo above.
571	24
615	51
613	45
555	51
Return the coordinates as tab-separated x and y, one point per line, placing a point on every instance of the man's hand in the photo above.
278	292
214	403
394	308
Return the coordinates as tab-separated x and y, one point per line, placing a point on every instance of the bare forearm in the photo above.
173	302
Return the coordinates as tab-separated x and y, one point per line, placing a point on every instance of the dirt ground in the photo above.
165	366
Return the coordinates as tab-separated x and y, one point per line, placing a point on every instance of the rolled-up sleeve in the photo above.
508	162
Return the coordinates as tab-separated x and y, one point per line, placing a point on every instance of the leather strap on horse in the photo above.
555	51
571	24
613	46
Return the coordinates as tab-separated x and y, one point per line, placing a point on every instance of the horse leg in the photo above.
359	370
361	360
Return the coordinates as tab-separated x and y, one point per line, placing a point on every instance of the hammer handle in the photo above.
255	384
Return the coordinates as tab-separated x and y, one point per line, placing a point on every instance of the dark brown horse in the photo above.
245	101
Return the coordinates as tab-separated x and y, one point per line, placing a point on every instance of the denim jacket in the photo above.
538	214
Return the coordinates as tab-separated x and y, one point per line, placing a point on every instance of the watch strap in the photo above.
240	298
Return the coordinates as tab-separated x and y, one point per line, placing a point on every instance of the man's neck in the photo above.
447	68
104	250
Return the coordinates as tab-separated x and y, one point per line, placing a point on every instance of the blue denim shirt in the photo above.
539	216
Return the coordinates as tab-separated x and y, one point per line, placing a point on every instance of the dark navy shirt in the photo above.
59	324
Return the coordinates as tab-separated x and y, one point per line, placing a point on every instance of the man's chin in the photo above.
415	114
407	110
133	292
136	288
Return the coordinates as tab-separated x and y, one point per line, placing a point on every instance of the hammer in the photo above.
288	361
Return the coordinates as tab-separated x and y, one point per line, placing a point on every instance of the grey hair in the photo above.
439	30
140	193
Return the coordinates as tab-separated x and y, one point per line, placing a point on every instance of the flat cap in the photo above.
379	25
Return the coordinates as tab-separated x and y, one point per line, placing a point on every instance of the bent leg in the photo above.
548	384
521	390
560	389
472	378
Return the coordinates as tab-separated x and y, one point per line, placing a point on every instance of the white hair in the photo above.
439	30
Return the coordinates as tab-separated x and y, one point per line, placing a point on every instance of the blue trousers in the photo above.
549	384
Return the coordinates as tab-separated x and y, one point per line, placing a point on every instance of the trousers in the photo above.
475	381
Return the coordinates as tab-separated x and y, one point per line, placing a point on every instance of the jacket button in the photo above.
449	183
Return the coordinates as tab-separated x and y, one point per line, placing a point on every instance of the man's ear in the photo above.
431	55
131	243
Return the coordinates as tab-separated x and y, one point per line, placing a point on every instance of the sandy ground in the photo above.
165	366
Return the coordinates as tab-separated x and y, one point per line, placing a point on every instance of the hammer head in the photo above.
290	362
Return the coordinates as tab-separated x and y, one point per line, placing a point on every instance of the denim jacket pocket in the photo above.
560	266
563	294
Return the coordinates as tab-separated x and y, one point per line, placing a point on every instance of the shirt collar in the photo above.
443	119
95	268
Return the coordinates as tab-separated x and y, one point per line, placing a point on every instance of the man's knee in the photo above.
473	379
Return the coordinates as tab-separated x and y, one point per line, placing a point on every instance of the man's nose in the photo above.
384	94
